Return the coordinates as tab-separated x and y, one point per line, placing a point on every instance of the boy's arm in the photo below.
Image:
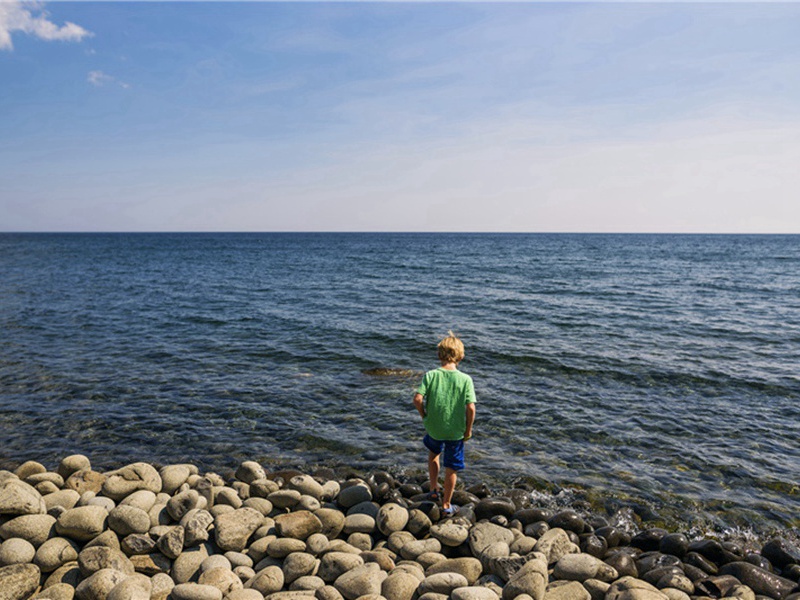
470	420
419	404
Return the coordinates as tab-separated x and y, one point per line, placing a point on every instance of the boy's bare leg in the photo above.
433	470
450	478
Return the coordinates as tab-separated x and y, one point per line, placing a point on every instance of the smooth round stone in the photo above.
183	502
412	550
298	525
38	478
59	591
674	594
262	505
365	508
482	535
354	494
15	551
35	529
244	573
760	581
317	543
284	498
307	582
54	553
306	485
473	593
137	587
125	520
362	541
73	463
107	503
675	544
382	557
97	558
566	590
195	591
470	568
624	564
143	500
18	581
225	580
630	588
528	516
65	498
493	507
215	561
450	533
82	523
227	496
428	559
46	488
68	573
613	536
648	540
250	471
678	581
283	547
131	478
397	540
299	564
359	523
332	522
578	567
399	585
594	545
267	581
187	565
99	584
161	586
245	594
330	490
649	561
29	468
597	589
19	498
568	520
262	488
781	553
239	559
523	545
174	476
442	583
419	524
335	564
363	580
85	480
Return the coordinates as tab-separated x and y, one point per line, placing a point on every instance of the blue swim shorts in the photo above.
453	451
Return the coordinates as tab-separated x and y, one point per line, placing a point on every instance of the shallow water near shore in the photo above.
650	373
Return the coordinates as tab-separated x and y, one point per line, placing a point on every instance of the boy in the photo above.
446	402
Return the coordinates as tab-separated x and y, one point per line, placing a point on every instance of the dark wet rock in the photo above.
419	524
701	562
528	516
536	530
781	553
623	563
355	493
568	520
612	535
675	544
462	498
409	490
759	561
655	560
594	545
791	572
717	586
499	520
694	573
759	580
653	576
520	498
494	506
480	490
649	539
713	551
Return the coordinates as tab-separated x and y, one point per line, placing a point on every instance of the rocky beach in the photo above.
146	533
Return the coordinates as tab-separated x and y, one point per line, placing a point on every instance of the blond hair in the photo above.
451	349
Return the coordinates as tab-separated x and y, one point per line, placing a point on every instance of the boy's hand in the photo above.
468	436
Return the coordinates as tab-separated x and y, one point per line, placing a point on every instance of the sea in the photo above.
647	378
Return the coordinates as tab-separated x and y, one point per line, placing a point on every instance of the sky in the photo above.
408	116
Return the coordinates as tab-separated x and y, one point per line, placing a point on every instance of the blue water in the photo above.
651	371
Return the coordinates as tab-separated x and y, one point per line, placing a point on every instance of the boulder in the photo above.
19	498
18	582
131	478
82	523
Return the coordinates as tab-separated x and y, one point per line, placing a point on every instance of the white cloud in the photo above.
99	79
30	18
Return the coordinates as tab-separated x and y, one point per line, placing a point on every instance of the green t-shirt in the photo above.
447	394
